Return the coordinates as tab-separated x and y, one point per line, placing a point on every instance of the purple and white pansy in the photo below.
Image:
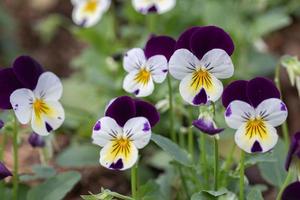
147	66
201	59
87	13
125	128
153	6
254	108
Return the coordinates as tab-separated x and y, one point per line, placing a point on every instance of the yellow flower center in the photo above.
255	127
143	76
90	6
201	78
121	146
39	107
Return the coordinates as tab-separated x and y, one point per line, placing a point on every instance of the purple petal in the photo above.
35	140
206	126
160	45
121	110
256	147
117	165
259	89
294	150
184	39
228	111
200	98
27	71
235	91
4	172
8	84
208	38
291	192
147	110
1	124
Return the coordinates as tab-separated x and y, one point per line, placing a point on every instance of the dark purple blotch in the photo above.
165	70
283	107
228	111
48	127
146	127
152	9
200	98
117	165
256	147
136	92
97	126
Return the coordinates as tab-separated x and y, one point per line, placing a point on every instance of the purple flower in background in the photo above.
35	140
153	6
1	124
207	125
24	73
291	192
254	108
201	59
4	172
125	128
147	66
294	151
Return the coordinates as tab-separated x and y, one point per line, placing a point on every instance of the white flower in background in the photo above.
200	78
87	13
142	72
153	6
40	106
292	65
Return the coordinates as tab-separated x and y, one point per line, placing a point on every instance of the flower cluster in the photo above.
147	66
125	128
87	13
254	108
33	94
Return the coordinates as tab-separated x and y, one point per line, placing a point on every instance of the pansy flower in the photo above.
147	66
292	191
254	108
87	13
35	140
125	128
153	6
4	172
201	59
293	156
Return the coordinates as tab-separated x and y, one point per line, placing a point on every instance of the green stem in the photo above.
242	172
16	164
287	180
171	112
4	139
216	169
203	159
191	142
284	126
185	187
134	181
227	165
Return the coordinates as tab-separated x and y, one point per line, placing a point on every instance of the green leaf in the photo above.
79	156
274	172
40	172
209	194
172	149
220	192
202	196
258	158
255	194
54	188
150	191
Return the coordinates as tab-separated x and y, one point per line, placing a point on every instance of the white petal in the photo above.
237	113
113	157
134	59
182	63
158	66
218	63
139	89
21	101
142	5
51	118
49	87
189	89
138	129
105	130
273	110
256	142
164	5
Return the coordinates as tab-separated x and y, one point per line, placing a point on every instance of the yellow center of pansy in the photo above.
90	6
256	127
143	76
201	78
121	146
40	107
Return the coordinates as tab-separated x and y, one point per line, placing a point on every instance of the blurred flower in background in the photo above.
153	6
292	65
87	13
35	140
292	191
125	128
4	172
254	108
